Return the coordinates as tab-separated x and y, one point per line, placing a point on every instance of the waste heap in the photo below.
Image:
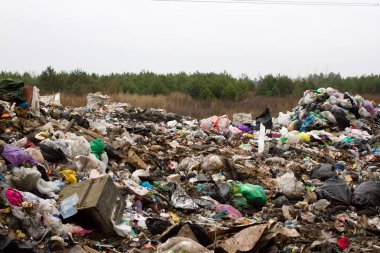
110	177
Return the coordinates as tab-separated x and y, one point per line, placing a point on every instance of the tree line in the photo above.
210	86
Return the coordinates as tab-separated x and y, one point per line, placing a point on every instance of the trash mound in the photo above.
110	177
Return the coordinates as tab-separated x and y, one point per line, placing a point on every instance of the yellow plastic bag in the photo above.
304	136
70	176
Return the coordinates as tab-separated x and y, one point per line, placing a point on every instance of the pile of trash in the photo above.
110	177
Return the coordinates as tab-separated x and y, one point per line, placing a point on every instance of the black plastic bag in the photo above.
341	119
336	191
366	194
52	155
264	118
157	226
112	153
323	172
8	244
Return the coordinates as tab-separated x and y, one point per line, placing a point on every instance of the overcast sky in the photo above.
133	35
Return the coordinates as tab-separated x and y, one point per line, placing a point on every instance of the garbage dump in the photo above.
110	177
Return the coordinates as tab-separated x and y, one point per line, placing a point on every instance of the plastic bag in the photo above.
90	164
17	156
124	228
97	147
188	164
264	118
283	119
230	210
261	139
323	172
213	162
254	194
336	191
182	244
9	244
367	194
36	154
70	176
47	188
215	124
25	178
54	99
329	117
289	186
180	199
241	118
52	155
63	145
136	188
157	226
96	100
234	131
80	146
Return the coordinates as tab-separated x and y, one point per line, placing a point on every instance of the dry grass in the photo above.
185	105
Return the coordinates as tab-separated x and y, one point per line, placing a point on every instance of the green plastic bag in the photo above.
97	147
240	203
254	194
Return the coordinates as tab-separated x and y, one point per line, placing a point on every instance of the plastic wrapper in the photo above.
180	199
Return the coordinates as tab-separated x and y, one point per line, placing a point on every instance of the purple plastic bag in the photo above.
17	156
244	128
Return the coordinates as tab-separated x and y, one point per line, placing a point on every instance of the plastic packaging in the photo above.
289	186
68	206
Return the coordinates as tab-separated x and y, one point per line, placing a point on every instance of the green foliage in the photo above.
210	86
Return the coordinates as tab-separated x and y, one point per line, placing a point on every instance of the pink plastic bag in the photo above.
14	197
230	210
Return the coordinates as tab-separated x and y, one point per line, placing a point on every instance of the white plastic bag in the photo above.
80	146
283	119
96	100
216	124
47	188
289	186
182	244
25	178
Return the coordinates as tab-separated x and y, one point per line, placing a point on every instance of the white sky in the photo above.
133	35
